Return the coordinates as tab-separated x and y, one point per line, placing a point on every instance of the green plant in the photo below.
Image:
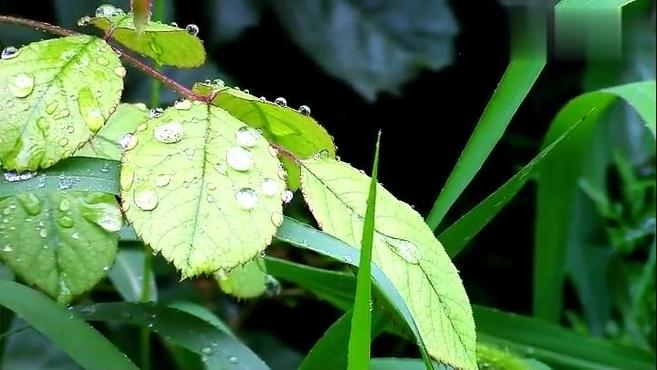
204	183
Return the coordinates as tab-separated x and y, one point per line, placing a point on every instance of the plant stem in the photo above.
42	26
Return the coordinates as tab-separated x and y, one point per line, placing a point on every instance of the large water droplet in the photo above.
155	113
272	286
107	11
9	52
65	222
239	158
287	196
305	110
30	202
404	249
169	133
183	104
162	180
192	29
89	110
128	141
281	101
21	85
270	187
246	198
146	200
64	205
247	136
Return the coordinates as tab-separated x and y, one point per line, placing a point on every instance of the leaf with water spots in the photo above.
248	281
202	188
55	95
166	44
293	129
117	133
404	248
62	242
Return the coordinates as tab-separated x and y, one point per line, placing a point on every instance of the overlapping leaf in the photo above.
406	251
56	94
294	130
165	44
248	281
202	188
107	143
63	242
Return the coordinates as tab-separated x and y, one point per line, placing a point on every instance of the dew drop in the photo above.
239	158
157	49
9	52
247	136
192	29
120	71
207	351
128	141
107	11
146	200
43	233
75	236
173	24
233	360
84	21
272	286
270	187
52	107
102	61
43	124
90	110
155	113
7	248
183	104
322	154
162	180
404	249
287	196
30	202
218	83
169	133
281	101
64	205
65	222
246	198
21	85
63	141
305	110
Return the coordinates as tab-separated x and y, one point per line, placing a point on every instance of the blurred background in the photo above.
423	71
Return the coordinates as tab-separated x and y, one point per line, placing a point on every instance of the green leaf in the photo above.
555	345
108	142
63	328
202	188
517	81
165	44
218	349
556	193
361	322
294	130
72	174
401	363
374	47
404	249
63	243
58	93
141	11
127	275
247	281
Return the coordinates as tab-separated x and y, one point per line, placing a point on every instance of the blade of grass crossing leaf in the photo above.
361	324
127	275
63	328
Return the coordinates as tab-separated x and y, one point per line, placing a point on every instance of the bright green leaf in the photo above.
247	281
372	46
294	130
165	44
56	95
110	139
405	249
128	273
202	188
63	328
63	243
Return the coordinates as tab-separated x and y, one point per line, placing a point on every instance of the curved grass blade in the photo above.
361	322
127	275
63	328
72	174
558	184
220	350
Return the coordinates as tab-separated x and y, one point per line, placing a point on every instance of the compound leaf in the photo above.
202	188
56	94
405	249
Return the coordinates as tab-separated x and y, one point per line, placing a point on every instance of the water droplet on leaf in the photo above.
30	202
128	141
146	200
169	133
270	187
272	286
183	104
21	85
247	136
107	11
192	29
66	222
305	110
281	101
287	196
155	113
90	110
277	219
239	158
246	198
9	52
162	180
120	71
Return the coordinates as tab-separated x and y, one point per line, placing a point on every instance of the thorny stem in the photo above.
59	31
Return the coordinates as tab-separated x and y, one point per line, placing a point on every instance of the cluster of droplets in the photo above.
282	102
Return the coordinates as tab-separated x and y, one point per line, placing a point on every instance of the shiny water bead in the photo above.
192	29
155	113
9	52
281	101
305	110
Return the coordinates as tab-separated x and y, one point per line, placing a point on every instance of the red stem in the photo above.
42	26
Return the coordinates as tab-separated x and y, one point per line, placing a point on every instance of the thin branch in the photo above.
42	26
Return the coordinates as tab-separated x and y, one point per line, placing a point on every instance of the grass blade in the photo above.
218	349
361	323
127	275
63	328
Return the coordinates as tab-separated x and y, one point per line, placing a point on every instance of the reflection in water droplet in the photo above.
192	29
128	141
272	286
90	110
107	11
183	104
84	21
246	198
9	52
30	202
162	180
405	249
270	187
247	136
281	101
21	85
155	113
287	196
146	200
239	158
305	110
169	133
